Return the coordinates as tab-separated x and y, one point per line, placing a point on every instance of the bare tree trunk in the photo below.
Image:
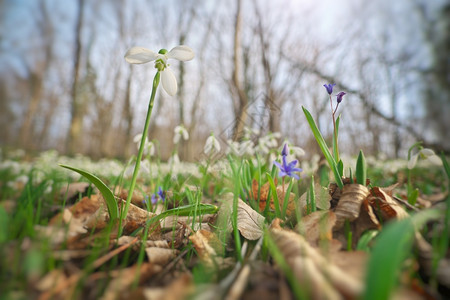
36	79
241	112
36	94
76	122
127	114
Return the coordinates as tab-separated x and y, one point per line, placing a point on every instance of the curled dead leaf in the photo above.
302	257
349	205
317	226
384	206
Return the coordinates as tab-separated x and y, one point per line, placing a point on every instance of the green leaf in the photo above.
104	190
365	239
323	146
275	196
361	169
393	246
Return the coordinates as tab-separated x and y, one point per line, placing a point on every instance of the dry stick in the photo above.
75	277
240	283
405	203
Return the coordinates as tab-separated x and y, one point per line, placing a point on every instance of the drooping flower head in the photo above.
329	87
425	154
211	145
180	131
287	169
140	55
339	96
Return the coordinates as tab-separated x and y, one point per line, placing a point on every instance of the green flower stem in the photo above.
335	138
141	147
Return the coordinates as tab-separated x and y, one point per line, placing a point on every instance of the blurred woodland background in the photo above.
65	85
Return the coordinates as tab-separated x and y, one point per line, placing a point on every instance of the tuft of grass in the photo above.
393	246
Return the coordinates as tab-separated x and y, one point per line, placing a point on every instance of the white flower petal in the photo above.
137	138
169	82
427	152
412	161
216	145
435	160
208	144
176	137
182	53
185	134
140	55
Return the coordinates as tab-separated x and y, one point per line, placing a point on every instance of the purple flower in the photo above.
339	96
157	196
161	194
285	150
329	87
287	169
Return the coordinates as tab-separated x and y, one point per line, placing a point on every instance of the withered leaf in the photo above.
349	205
386	207
302	257
317	226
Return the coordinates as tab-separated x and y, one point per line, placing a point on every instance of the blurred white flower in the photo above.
180	131
212	145
246	148
424	153
233	147
149	147
174	162
140	55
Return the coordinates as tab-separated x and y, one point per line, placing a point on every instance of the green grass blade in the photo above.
323	146
392	247
104	190
274	195
361	169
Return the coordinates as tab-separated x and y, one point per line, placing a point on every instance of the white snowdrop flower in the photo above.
22	179
140	55
247	148
424	153
174	161
180	131
233	147
212	145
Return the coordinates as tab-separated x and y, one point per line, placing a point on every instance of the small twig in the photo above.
405	203
171	264
75	277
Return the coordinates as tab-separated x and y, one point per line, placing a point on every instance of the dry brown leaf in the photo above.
386	207
263	193
303	257
180	288
136	218
317	226
74	189
349	205
249	222
160	256
122	283
50	280
208	246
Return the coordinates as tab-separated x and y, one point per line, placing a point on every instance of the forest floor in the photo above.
225	229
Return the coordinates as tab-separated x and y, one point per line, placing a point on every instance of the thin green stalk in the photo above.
141	146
